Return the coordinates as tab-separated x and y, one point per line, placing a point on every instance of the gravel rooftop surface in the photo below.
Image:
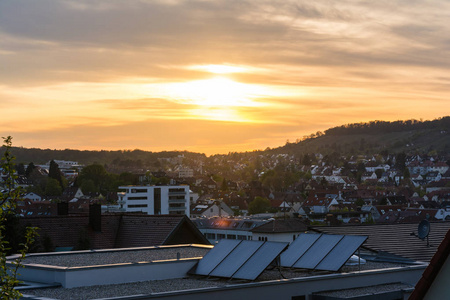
115	257
375	289
157	286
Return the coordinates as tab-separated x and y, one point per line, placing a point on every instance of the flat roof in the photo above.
115	256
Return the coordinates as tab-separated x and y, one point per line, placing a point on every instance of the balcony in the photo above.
177	193
180	201
182	208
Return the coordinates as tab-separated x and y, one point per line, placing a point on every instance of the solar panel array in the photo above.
239	259
320	251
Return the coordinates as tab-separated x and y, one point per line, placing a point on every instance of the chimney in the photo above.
95	217
63	208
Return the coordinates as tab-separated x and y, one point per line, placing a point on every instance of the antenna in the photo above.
423	231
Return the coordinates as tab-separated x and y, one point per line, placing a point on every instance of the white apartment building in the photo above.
185	172
155	200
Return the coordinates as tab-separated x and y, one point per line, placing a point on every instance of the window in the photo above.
137	198
137	205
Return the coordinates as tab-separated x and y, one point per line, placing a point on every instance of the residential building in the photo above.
155	200
216	229
114	230
279	230
185	172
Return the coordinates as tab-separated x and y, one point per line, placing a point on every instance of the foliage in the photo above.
98	175
385	126
53	188
259	205
55	173
359	202
8	199
369	220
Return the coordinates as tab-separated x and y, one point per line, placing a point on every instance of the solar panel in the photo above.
236	258
253	267
337	257
216	255
318	251
297	248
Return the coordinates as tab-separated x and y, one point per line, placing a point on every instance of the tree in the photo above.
258	205
98	174
52	188
88	186
55	173
29	169
306	160
8	199
224	186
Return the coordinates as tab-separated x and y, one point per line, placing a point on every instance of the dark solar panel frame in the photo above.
234	261
298	248
215	256
318	251
260	260
337	257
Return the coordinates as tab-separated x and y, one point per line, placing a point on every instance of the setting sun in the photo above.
217	91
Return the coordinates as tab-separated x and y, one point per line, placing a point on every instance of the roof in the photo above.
118	230
281	226
227	224
432	271
395	238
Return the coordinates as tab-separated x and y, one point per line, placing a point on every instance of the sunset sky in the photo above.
215	76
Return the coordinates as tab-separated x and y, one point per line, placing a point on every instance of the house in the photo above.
216	229
372	210
185	172
280	230
433	176
106	231
72	192
32	196
212	209
368	175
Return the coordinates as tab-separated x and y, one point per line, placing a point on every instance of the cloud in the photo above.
74	64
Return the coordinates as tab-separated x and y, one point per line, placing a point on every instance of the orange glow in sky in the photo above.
214	77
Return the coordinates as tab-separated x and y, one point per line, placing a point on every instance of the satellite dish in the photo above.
424	229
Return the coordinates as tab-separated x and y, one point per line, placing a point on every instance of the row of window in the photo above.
139	190
137	198
220	236
137	205
176	190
